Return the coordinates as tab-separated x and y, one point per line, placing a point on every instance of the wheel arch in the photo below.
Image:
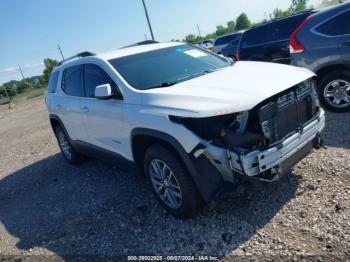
56	121
207	182
321	72
143	138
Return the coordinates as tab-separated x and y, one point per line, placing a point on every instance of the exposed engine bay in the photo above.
238	140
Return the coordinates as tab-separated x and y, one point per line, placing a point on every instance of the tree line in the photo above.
243	22
14	87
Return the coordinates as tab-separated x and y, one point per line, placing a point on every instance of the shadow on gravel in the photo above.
96	209
337	130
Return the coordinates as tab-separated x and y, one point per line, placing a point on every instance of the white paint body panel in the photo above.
109	123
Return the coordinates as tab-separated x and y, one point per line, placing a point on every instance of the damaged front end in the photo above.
264	142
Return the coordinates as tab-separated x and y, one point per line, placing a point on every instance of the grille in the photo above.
287	114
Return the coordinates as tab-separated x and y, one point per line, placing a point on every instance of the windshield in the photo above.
167	66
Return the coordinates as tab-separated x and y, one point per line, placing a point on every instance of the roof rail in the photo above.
80	55
146	42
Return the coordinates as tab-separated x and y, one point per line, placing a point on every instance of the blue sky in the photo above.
31	30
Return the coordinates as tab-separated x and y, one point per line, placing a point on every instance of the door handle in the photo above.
346	44
85	109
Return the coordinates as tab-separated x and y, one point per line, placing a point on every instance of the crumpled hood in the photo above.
233	89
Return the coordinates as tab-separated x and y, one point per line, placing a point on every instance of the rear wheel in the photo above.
171	182
67	150
334	91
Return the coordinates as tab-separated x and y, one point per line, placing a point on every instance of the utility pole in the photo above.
199	31
60	50
20	69
148	21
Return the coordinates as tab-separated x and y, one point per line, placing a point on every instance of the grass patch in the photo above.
36	93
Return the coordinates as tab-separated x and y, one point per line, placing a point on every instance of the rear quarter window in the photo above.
283	29
71	80
339	25
53	82
225	39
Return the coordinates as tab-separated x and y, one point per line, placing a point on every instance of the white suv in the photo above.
189	120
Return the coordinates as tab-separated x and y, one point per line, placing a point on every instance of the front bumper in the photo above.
273	159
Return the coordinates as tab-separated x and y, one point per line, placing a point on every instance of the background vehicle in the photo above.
270	41
322	44
231	49
184	118
222	41
208	44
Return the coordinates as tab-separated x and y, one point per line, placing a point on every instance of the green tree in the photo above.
278	13
231	26
298	5
220	30
243	22
22	85
11	92
191	38
50	64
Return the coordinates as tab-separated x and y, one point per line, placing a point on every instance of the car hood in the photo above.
233	89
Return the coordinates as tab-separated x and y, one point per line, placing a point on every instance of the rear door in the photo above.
69	107
103	119
251	45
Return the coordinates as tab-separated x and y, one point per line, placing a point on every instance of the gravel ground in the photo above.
49	208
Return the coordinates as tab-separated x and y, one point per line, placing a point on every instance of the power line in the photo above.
148	21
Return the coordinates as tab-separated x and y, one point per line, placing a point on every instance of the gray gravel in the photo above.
50	208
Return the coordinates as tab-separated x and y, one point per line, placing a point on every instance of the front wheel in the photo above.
67	150
171	182
334	91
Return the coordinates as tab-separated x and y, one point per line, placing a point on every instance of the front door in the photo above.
103	119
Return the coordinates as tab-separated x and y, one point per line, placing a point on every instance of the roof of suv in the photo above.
125	51
135	50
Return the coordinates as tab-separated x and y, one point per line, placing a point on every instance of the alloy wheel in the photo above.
165	183
337	93
65	146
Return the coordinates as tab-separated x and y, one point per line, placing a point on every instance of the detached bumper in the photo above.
281	158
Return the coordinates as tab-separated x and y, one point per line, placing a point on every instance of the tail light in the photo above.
238	55
295	45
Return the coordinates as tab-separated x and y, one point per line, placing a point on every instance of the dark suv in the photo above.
322	44
270	41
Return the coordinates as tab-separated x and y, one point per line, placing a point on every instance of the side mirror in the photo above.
103	91
230	60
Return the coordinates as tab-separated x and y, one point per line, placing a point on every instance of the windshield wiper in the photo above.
167	84
197	75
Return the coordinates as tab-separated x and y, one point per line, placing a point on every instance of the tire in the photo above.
336	80
67	150
178	184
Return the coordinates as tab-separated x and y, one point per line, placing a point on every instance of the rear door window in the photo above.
71	82
225	39
254	36
339	25
53	82
95	76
